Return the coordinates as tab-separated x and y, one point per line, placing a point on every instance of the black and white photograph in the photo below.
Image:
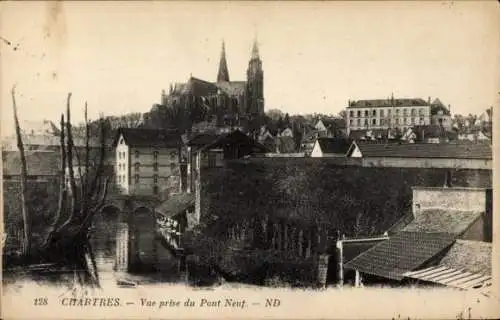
240	159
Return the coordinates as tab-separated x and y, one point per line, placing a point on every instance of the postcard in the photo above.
199	160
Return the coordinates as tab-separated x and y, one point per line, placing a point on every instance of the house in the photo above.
41	165
423	155
147	161
331	127
330	147
287	132
308	140
209	158
387	113
285	145
450	228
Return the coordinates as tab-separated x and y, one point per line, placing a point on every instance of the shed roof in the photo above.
403	252
443	220
175	204
471	256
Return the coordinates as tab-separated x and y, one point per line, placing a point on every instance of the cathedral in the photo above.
231	102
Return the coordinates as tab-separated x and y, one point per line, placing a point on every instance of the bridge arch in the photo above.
103	236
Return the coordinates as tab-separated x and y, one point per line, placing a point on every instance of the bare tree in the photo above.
26	243
68	241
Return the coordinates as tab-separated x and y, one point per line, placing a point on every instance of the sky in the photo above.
316	56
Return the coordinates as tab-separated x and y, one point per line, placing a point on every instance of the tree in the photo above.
26	247
67	243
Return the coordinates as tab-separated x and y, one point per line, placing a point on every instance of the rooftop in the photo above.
403	252
441	220
471	256
141	137
427	150
379	103
38	163
332	145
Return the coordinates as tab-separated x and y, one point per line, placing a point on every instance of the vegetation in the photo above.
81	195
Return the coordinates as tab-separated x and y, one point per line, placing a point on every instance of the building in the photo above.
331	127
447	242
441	115
387	113
41	166
148	161
330	147
423	155
230	101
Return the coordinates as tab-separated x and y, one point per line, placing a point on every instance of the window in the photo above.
359	113
421	111
350	122
155	189
173	155
137	153
374	112
412	120
413	112
405	112
121	141
351	114
405	121
397	111
374	121
366	122
397	120
155	178
421	120
155	155
382	113
136	178
389	111
155	166
137	166
366	113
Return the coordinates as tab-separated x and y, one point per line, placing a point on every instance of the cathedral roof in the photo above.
233	88
198	87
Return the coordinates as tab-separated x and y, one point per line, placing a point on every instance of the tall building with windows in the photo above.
387	114
148	161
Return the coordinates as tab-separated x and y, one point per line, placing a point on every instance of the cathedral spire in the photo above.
223	74
255	50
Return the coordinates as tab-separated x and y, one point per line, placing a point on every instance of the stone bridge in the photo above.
125	234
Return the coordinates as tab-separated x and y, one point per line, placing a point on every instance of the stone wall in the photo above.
467	199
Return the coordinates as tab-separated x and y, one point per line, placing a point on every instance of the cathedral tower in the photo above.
255	83
223	74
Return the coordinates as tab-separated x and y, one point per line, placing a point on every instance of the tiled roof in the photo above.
440	220
428	150
239	138
38	163
401	223
332	145
472	256
160	138
333	122
232	88
388	103
175	204
403	252
202	139
362	133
